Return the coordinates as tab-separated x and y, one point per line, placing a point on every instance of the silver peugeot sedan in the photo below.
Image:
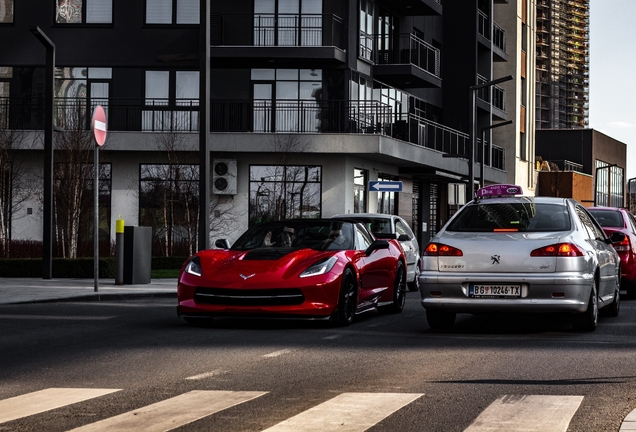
503	252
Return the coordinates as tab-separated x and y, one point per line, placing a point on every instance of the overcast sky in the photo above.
613	73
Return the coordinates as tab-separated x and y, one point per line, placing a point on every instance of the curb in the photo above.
95	297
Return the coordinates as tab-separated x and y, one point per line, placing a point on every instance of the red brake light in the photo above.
558	250
623	246
439	249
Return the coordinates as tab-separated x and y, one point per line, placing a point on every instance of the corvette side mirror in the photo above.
378	244
222	244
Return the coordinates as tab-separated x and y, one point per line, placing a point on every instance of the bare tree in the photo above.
285	188
73	172
171	198
14	180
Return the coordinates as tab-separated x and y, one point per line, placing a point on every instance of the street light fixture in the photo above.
473	132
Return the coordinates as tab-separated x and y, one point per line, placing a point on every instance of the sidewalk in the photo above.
36	290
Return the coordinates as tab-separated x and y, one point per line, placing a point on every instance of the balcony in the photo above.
249	116
241	40
406	61
495	36
493	96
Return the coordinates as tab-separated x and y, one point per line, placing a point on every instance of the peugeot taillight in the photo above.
439	249
558	250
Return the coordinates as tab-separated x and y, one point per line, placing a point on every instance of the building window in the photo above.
288	22
287	100
366	29
5	75
6	11
172	101
73	199
172	11
83	11
609	185
387	201
284	191
78	90
169	203
360	181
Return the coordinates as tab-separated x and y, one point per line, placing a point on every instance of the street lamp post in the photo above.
473	130
47	222
204	124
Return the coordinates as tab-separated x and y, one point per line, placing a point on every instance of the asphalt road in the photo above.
90	362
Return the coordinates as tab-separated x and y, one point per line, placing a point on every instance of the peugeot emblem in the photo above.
245	277
495	259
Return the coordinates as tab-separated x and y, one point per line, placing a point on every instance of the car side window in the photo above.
363	241
632	222
400	229
594	231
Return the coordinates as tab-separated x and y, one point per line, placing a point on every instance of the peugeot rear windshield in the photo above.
511	217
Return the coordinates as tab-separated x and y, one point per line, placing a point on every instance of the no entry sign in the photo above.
99	125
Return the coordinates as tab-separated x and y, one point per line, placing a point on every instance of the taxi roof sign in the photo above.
499	190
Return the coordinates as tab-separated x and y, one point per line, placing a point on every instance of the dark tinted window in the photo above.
297	234
510	217
608	218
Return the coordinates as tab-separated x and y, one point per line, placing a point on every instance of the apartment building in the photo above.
311	103
562	73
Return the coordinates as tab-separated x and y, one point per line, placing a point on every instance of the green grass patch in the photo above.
164	273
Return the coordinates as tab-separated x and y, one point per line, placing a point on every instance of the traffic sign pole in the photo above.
99	131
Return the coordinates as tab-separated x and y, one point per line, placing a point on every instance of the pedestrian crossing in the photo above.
350	412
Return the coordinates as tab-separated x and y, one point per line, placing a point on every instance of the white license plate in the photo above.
509	291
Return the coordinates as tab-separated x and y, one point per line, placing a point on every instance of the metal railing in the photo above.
483	27
498	99
264	116
366	46
276	30
499	37
482	24
407	49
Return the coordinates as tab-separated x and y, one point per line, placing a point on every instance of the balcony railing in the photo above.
498	99
499	34
264	116
308	30
407	49
499	37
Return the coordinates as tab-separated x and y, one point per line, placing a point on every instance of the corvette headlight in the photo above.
194	266
321	267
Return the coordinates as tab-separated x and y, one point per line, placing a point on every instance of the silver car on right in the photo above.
508	253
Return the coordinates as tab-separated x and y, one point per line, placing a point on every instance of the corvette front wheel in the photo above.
346	300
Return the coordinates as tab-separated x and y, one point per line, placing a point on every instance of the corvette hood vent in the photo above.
267	253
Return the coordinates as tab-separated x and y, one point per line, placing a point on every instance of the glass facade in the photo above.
280	192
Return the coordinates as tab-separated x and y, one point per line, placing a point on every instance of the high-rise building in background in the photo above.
562	64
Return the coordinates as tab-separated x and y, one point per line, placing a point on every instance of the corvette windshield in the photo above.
298	234
510	217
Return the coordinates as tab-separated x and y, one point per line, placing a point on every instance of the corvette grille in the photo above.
252	297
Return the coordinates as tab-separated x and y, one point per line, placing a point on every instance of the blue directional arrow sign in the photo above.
385	186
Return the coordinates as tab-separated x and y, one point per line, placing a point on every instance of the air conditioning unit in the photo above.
224	176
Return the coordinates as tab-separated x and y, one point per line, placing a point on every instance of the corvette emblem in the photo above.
245	277
495	259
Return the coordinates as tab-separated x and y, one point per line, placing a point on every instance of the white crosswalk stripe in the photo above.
347	412
45	400
528	413
350	412
172	413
